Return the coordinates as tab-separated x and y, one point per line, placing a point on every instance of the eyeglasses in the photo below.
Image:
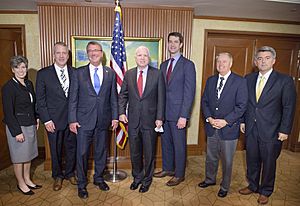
94	50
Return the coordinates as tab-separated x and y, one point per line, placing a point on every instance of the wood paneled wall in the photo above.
58	22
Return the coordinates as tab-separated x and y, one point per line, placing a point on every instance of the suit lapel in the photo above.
227	86
61	91
164	70
105	78
133	79
149	81
87	74
176	68
268	86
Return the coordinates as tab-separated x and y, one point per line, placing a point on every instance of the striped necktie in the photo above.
218	92
63	81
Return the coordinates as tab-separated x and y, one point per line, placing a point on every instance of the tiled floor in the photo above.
287	191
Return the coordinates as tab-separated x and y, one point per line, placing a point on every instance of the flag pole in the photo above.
115	175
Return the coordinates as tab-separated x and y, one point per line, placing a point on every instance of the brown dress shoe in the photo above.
163	174
245	191
57	185
175	181
73	180
263	199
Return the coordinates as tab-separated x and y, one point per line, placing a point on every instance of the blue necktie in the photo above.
96	81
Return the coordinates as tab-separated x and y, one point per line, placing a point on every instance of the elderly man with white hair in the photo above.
144	91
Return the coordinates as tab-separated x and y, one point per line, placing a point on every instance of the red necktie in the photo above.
140	83
170	70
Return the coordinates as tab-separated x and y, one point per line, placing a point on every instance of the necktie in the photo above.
219	87
170	70
96	81
63	82
140	83
260	87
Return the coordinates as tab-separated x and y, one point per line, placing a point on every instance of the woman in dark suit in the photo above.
21	121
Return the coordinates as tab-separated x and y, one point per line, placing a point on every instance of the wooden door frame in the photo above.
17	26
21	28
292	144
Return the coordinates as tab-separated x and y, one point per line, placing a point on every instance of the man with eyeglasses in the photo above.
93	107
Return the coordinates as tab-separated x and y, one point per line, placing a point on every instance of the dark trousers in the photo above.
58	140
261	162
84	139
142	144
173	143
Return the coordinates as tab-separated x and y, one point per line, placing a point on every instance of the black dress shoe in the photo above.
204	184
34	187
30	192
134	186
222	193
83	193
144	189
102	186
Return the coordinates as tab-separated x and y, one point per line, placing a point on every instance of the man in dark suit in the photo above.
180	80
224	102
52	91
93	107
144	90
268	122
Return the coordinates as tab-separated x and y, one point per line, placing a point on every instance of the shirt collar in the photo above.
144	70
176	57
226	75
58	68
266	75
92	67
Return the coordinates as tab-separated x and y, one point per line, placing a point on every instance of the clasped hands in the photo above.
217	123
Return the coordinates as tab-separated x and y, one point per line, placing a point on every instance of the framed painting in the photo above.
79	55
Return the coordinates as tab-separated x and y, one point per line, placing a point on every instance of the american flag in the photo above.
118	64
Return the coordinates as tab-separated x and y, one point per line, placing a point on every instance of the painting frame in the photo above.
79	55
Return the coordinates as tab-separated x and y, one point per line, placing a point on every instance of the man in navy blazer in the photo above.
180	80
146	105
52	91
224	102
268	122
93	107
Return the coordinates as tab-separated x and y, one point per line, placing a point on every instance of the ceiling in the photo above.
285	10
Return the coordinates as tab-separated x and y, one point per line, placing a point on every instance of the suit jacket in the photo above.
18	109
148	108
274	111
52	104
86	107
230	106
180	91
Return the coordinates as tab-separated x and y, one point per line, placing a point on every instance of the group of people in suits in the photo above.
261	105
78	106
